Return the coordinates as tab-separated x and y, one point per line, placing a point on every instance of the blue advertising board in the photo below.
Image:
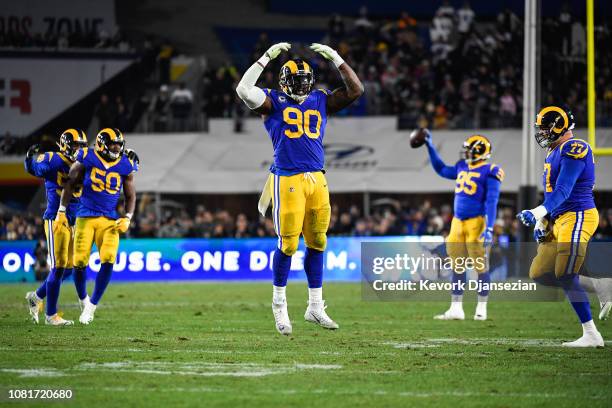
201	259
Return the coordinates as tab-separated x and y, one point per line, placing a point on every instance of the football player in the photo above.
103	172
295	117
53	167
569	205
477	190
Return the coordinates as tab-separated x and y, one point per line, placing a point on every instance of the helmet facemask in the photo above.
297	85
105	139
69	146
475	151
552	123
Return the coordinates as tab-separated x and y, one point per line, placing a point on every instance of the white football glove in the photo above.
540	231
328	53
274	52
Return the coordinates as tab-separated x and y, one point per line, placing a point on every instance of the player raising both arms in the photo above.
53	167
103	172
477	189
569	205
295	118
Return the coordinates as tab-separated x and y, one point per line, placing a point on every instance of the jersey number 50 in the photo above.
101	181
294	117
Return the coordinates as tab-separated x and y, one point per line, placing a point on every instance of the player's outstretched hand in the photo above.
122	224
328	53
487	237
526	217
32	151
276	49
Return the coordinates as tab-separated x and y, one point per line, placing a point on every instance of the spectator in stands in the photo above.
122	120
159	110
105	113
507	109
465	19
181	103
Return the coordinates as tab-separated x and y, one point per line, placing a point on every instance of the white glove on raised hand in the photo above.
328	53
274	52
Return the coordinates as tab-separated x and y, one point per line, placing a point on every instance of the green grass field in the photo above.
215	345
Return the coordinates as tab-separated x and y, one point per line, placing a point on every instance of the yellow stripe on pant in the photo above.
464	241
100	230
60	244
566	247
300	205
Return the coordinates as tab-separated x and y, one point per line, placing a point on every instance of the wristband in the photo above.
128	216
263	61
62	208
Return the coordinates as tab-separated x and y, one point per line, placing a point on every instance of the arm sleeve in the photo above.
252	96
439	166
41	167
570	170
493	187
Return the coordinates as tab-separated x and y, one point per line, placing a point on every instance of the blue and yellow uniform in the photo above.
53	167
297	185
568	181
97	213
477	188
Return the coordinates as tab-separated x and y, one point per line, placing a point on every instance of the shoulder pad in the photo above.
575	149
497	172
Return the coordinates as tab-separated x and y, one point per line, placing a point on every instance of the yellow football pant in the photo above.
300	204
566	247
464	241
59	244
100	230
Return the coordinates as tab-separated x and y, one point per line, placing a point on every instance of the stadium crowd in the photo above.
389	219
453	71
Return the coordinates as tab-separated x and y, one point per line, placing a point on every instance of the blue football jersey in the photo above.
581	197
53	167
102	183
471	188
297	131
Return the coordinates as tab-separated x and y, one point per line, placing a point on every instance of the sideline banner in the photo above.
201	259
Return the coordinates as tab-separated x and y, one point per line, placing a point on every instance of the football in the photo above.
417	137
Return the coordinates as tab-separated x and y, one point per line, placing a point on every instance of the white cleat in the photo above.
87	315
604	312
57	320
589	339
452	314
35	305
481	311
315	313
281	318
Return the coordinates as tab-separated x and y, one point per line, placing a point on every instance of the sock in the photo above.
54	281
281	264
279	294
41	292
80	282
313	266
457	299
483	299
483	278
458	280
577	297
589	327
102	280
315	295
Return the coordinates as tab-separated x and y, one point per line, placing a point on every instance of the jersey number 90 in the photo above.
302	122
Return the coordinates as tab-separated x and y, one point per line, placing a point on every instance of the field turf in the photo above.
161	345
